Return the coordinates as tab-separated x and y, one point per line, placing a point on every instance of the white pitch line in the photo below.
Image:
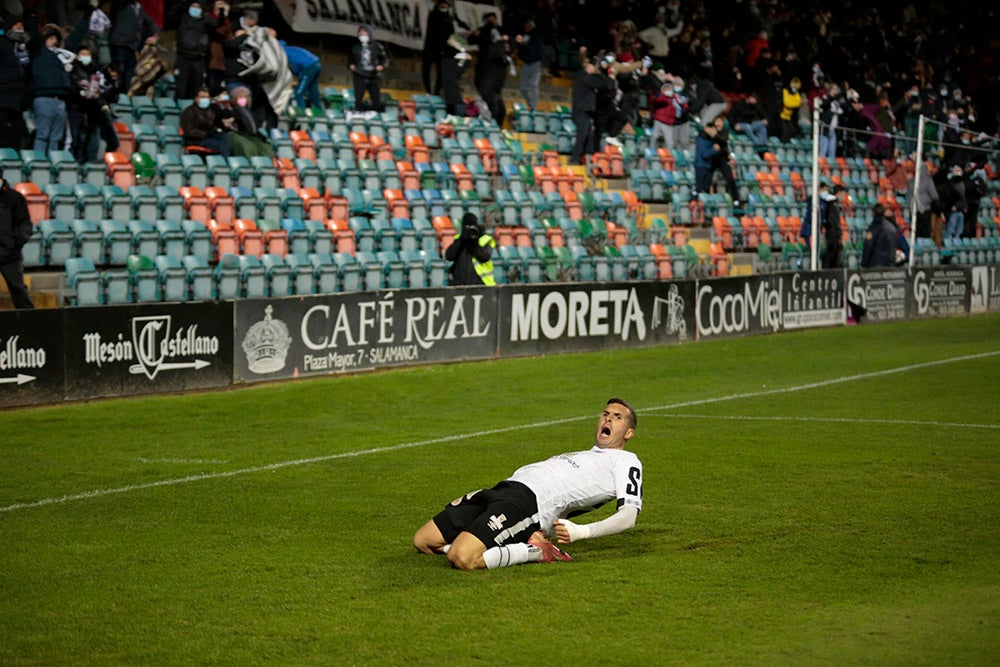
98	493
837	420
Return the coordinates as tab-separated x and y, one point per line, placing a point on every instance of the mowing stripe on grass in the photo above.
99	493
836	420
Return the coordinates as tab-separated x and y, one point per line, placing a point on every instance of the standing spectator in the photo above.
927	200
201	125
831	108
306	66
748	117
724	161
832	231
454	62
879	248
706	100
367	61
682	130
531	51
216	60
791	102
665	109
491	65
193	34
471	254
953	196
440	26
13	84
132	28
587	83
52	86
657	37
267	70
547	19
88	109
15	230
706	152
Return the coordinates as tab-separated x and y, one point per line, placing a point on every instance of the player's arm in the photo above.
620	521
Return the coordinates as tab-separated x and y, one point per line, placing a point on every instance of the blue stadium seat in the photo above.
278	275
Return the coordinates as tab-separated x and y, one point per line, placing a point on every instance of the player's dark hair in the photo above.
631	412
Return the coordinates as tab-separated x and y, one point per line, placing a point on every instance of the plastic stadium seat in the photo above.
251	238
37	167
120	169
65	168
62	200
145	238
228	277
85	281
350	273
299	240
173	238
253	277
278	274
117	285
244	202
145	278
173	278
88	240
59	240
275	237
198	239
302	273
144	203
200	278
38	201
325	272
393	268
169	202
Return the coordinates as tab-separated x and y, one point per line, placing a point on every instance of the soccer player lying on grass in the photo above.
507	525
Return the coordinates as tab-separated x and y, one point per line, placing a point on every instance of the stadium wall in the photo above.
50	356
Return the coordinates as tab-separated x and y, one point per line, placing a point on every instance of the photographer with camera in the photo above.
470	254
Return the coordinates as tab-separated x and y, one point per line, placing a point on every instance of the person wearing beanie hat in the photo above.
471	254
367	61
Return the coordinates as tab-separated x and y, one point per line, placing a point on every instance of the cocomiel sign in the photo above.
735	306
31	357
361	331
542	318
143	349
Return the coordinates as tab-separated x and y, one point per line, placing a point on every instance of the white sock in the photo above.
445	548
511	554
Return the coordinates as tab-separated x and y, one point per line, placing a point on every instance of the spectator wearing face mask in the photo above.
202	125
89	107
13	84
245	138
367	61
665	108
193	33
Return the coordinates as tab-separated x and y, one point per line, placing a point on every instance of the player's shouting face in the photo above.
614	427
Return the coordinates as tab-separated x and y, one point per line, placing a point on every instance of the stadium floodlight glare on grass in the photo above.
822	497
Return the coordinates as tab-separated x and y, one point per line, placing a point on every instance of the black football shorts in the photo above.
506	513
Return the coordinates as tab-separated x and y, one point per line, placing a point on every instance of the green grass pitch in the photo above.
823	497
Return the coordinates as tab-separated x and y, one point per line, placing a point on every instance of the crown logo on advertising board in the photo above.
266	344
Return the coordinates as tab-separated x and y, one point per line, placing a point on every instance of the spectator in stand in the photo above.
791	102
201	125
193	34
748	117
454	61
927	200
52	87
658	36
90	31
588	82
879	247
706	154
216	60
15	230
531	51
367	60
724	161
665	109
441	24
954	198
245	137
491	65
13	84
706	100
306	66
89	107
682	130
132	28
831	108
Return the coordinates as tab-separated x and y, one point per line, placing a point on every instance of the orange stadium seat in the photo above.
221	204
250	236
195	203
38	201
